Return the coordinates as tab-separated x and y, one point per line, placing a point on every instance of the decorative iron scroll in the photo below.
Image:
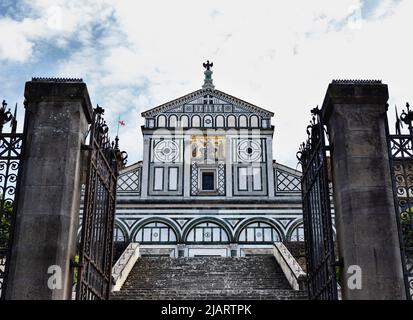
11	154
318	231
401	157
96	248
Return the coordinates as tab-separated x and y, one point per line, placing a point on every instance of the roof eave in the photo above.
174	101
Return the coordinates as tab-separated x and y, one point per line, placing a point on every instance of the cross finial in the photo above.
208	75
208	65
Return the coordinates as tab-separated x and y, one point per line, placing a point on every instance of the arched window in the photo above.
207	232
118	234
231	121
259	232
161	121
155	232
207	121
184	121
196	121
298	233
219	120
173	121
243	121
254	123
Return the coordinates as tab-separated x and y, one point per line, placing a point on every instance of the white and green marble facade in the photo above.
208	184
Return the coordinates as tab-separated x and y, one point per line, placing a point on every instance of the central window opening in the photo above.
208	181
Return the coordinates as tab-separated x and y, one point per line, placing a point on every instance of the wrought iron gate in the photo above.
401	163
96	248
11	154
318	232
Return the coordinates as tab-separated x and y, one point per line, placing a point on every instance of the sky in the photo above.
279	55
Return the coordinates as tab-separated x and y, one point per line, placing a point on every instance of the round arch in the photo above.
196	121
296	224
79	233
254	121
161	121
334	233
243	121
213	220
118	224
231	121
207	121
270	222
144	222
220	121
172	121
184	123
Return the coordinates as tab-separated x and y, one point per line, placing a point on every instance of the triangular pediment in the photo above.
207	101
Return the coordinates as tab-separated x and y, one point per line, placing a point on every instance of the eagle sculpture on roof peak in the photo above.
208	65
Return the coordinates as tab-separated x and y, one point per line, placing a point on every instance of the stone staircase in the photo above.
256	277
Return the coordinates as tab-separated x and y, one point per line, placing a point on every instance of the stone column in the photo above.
187	165
233	247
145	167
355	114
270	168
181	250
58	114
228	164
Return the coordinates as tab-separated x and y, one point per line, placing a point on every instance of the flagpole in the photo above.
117	133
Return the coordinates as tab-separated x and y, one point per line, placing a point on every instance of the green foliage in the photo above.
5	222
76	270
407	228
339	273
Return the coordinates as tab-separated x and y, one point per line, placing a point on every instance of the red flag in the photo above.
122	123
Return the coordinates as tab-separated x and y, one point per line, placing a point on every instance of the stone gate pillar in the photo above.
355	114
58	114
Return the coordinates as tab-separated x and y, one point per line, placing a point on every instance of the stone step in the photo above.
257	277
258	294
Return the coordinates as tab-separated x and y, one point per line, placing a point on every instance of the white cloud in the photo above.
53	21
15	46
280	55
384	8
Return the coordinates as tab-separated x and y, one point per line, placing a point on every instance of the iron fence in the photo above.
96	248
318	231
401	163
11	155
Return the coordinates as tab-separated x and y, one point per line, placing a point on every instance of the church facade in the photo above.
208	184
